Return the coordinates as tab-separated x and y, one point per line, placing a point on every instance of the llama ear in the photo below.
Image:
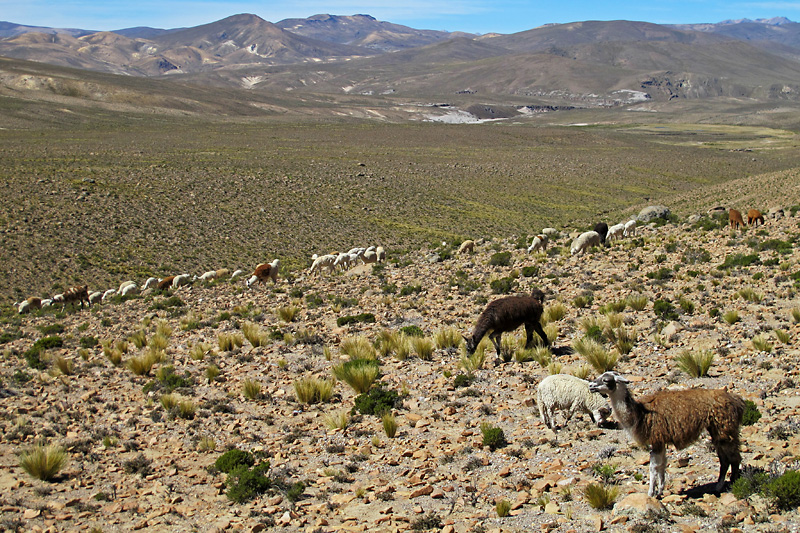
619	379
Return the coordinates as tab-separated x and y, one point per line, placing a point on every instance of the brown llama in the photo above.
754	216
676	417
735	219
264	272
166	283
77	294
507	314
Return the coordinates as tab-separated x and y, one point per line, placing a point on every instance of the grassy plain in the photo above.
95	196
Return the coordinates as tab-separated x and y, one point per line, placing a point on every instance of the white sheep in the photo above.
109	293
236	274
552	233
381	253
539	243
584	241
467	246
630	228
128	290
125	284
563	391
95	297
150	283
207	276
323	261
616	231
181	280
342	260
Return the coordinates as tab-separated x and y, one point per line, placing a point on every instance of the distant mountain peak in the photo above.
774	21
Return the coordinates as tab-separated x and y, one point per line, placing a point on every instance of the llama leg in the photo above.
658	466
495	337
537	327
728	454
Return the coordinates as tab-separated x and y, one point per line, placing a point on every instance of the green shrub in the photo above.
294	492
493	437
378	401
665	310
530	271
738	260
751	413
785	490
463	380
367	318
503	285
752	480
410	289
412	331
166	303
500	259
245	484
234	458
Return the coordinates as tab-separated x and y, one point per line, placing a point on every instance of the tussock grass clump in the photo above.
65	366
447	337
164	329
360	374
337	420
212	372
229	341
389	423
251	389
312	390
423	347
169	401
695	363
749	294
358	348
554	312
782	336
581	372
554	368
43	462
139	339
542	355
199	350
637	302
186	409
761	343
600	496
503	508
287	313
159	342
142	365
206	444
254	334
474	362
551	330
624	339
731	317
595	354
795	312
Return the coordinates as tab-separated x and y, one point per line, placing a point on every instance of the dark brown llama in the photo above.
507	314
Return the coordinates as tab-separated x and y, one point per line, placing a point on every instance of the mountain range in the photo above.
589	63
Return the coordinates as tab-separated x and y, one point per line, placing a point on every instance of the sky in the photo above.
473	16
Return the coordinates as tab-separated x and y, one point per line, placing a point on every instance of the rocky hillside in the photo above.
142	438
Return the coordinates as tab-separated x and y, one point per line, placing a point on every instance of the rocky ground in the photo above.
134	465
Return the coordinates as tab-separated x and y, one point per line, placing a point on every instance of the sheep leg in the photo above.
658	467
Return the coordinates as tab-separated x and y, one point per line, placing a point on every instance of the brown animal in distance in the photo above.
507	314
754	216
265	271
77	294
735	219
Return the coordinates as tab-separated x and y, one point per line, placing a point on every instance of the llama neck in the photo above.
624	407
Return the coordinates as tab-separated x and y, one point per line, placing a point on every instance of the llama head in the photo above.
471	344
538	294
607	383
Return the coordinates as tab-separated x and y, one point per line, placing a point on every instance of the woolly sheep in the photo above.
467	246
562	391
223	273
539	243
323	261
551	233
237	274
95	297
181	280
125	284
128	290
150	283
584	241
617	231
47	302
108	294
630	228
342	260
676	417
381	253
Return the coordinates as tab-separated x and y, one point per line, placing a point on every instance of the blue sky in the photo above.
476	16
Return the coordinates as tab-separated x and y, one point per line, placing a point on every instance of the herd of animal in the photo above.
665	417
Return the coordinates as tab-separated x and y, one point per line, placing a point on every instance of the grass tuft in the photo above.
695	363
43	462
